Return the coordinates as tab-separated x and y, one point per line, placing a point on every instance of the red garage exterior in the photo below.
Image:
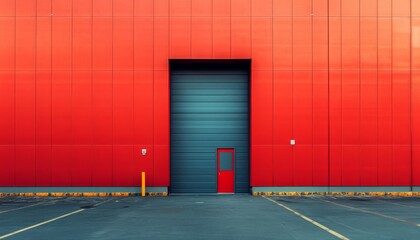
84	86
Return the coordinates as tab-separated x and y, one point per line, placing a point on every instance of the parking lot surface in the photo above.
239	216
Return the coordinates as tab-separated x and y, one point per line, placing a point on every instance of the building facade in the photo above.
319	95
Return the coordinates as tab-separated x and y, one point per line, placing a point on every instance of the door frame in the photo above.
217	168
245	63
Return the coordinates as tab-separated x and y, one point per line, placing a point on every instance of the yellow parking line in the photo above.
336	234
373	213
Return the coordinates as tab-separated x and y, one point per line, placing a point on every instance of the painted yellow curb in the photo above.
82	194
347	194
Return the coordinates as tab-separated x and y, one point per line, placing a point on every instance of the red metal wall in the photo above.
84	85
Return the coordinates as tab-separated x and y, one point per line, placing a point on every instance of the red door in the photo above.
225	170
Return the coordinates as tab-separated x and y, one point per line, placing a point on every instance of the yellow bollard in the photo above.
143	184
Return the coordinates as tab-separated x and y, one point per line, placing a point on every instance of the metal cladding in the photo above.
84	87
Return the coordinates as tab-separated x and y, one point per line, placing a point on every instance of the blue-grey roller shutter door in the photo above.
209	110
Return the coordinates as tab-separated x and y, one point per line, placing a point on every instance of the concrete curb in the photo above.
346	194
83	194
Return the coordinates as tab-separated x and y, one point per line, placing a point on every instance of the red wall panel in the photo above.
201	37
122	110
81	165
369	165
282	43
240	8
302	165
43	121
84	86
320	43
43	165
335	132
7	165
180	37
102	107
415	119
102	29
143	43
102	173
62	7
221	37
82	8
221	8
282	107
81	108
25	165
122	43
61	108
302	107
25	43
161	43
320	165
302	43
320	107
7	38
240	38
262	165
262	108
123	8
25	108
123	162
61	165
43	43
7	107
143	7
43	7
262	46
161	128
384	43
8	7
283	166
82	43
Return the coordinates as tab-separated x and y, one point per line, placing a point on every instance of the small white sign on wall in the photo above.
143	151
292	142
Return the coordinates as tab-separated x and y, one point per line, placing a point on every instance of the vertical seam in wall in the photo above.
191	21
35	92
377	92
392	90
329	73
341	93
212	27
360	95
132	87
293	76
112	93
51	92
153	92
15	100
230	30
250	24
91	94
411	96
312	45
71	95
272	93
